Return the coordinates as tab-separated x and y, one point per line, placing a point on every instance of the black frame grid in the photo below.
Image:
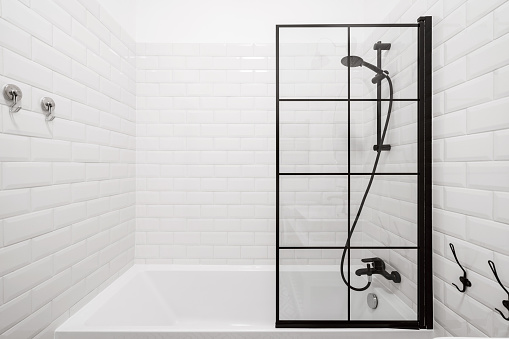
424	318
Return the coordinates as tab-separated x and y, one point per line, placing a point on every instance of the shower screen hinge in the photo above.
384	148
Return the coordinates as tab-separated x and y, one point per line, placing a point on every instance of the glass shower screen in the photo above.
353	175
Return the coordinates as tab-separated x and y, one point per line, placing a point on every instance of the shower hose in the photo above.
350	233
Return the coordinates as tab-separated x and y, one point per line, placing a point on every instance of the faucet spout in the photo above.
364	271
378	268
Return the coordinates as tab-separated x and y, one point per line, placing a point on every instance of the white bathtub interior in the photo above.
171	299
185	297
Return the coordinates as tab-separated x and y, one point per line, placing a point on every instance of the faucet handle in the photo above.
378	263
371	259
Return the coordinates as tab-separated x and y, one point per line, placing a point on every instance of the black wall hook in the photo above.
504	302
466	283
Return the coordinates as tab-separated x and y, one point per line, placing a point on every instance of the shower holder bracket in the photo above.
385	147
382	46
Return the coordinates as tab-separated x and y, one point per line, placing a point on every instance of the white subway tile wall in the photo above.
470	171
205	153
68	186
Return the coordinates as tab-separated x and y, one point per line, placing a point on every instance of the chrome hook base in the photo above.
13	93
48	105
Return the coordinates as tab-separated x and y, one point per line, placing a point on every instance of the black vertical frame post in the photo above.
277	174
424	116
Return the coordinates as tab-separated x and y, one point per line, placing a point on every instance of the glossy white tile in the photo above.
15	39
62	52
27	20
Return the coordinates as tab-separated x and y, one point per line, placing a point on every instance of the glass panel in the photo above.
313	210
400	61
389	215
401	135
310	64
310	286
313	137
396	301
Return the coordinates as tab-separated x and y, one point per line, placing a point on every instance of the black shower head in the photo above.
352	61
355	61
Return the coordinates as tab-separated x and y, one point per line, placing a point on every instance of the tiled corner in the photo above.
55	176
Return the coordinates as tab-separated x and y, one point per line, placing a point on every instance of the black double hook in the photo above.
466	283
504	302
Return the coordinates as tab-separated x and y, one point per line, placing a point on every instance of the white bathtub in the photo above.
169	301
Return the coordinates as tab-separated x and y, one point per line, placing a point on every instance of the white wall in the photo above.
66	186
471	168
235	21
205	153
124	13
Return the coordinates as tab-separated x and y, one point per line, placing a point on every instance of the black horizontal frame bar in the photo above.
344	25
351	173
402	324
345	100
350	247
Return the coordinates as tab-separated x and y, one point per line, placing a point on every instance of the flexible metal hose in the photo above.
379	151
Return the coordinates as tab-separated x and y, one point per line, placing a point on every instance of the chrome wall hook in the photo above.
466	283
13	93
504	302
48	105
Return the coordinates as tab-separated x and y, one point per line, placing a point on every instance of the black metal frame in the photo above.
424	250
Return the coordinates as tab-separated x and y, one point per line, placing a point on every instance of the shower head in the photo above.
355	61
352	61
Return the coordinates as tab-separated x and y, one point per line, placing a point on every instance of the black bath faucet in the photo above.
378	268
